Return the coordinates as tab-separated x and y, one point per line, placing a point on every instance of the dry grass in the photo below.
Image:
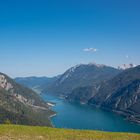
15	132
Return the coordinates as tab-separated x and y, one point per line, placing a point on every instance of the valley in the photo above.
83	97
105	87
70	70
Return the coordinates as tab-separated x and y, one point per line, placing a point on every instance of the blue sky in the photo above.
46	37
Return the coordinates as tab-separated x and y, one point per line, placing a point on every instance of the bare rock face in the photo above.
4	83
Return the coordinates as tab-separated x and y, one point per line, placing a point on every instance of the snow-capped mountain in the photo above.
126	66
80	76
74	69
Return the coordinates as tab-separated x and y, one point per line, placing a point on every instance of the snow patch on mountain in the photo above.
126	66
68	73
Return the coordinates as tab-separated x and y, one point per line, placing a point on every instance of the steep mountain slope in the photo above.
82	94
118	82
35	83
121	94
81	76
21	105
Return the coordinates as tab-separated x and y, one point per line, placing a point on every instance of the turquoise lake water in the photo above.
76	116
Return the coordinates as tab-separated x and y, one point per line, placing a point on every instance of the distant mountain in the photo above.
20	105
121	94
81	76
126	66
35	83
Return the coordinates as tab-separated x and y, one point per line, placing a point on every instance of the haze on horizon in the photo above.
44	38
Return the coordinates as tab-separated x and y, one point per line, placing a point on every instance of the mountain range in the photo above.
35	83
126	66
120	94
113	89
80	76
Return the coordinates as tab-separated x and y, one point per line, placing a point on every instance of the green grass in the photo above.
16	132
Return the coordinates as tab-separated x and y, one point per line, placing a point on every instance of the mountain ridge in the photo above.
35	83
80	76
21	105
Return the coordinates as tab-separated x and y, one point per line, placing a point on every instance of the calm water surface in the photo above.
76	116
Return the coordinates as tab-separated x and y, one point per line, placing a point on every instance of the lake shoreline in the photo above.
50	117
68	115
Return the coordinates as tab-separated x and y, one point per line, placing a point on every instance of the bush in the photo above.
7	121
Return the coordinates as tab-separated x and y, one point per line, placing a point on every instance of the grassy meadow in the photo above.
16	132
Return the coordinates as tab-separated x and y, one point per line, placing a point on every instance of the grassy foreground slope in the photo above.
15	132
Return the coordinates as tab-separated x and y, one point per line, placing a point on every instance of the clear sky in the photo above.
46	37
